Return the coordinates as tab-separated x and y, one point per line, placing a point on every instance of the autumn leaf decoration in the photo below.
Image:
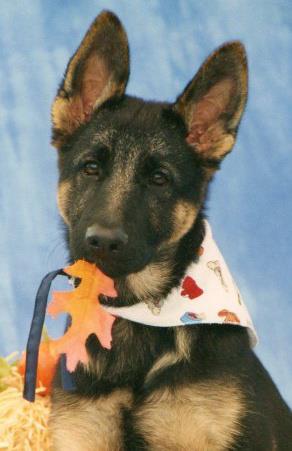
87	315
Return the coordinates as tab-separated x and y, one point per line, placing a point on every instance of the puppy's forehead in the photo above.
102	136
132	126
126	139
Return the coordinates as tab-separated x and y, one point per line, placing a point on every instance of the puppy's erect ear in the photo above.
213	102
97	71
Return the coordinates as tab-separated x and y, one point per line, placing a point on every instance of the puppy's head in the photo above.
134	174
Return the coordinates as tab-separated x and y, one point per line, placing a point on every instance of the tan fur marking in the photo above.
168	359
215	143
182	352
70	113
199	417
67	114
183	218
149	281
82	424
182	342
274	444
62	196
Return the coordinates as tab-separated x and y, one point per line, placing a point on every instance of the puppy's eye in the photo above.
91	168
160	177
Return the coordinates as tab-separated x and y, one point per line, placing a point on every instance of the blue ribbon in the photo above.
34	339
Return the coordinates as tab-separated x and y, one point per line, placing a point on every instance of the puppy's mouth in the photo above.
115	259
118	266
117	269
124	297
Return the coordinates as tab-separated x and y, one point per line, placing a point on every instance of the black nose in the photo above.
106	240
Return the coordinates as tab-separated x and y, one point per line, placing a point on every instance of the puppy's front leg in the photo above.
195	417
88	424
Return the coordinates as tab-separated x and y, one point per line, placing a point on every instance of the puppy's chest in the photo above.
193	415
131	384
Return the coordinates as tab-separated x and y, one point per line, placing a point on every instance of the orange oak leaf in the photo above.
87	315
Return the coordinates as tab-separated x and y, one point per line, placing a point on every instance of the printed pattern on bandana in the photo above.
207	295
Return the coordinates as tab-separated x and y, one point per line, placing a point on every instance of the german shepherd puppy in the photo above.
134	177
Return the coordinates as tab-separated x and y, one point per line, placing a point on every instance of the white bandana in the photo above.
207	295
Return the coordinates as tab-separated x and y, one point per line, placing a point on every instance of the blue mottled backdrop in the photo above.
251	203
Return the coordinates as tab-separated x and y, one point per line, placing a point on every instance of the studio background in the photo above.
250	208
